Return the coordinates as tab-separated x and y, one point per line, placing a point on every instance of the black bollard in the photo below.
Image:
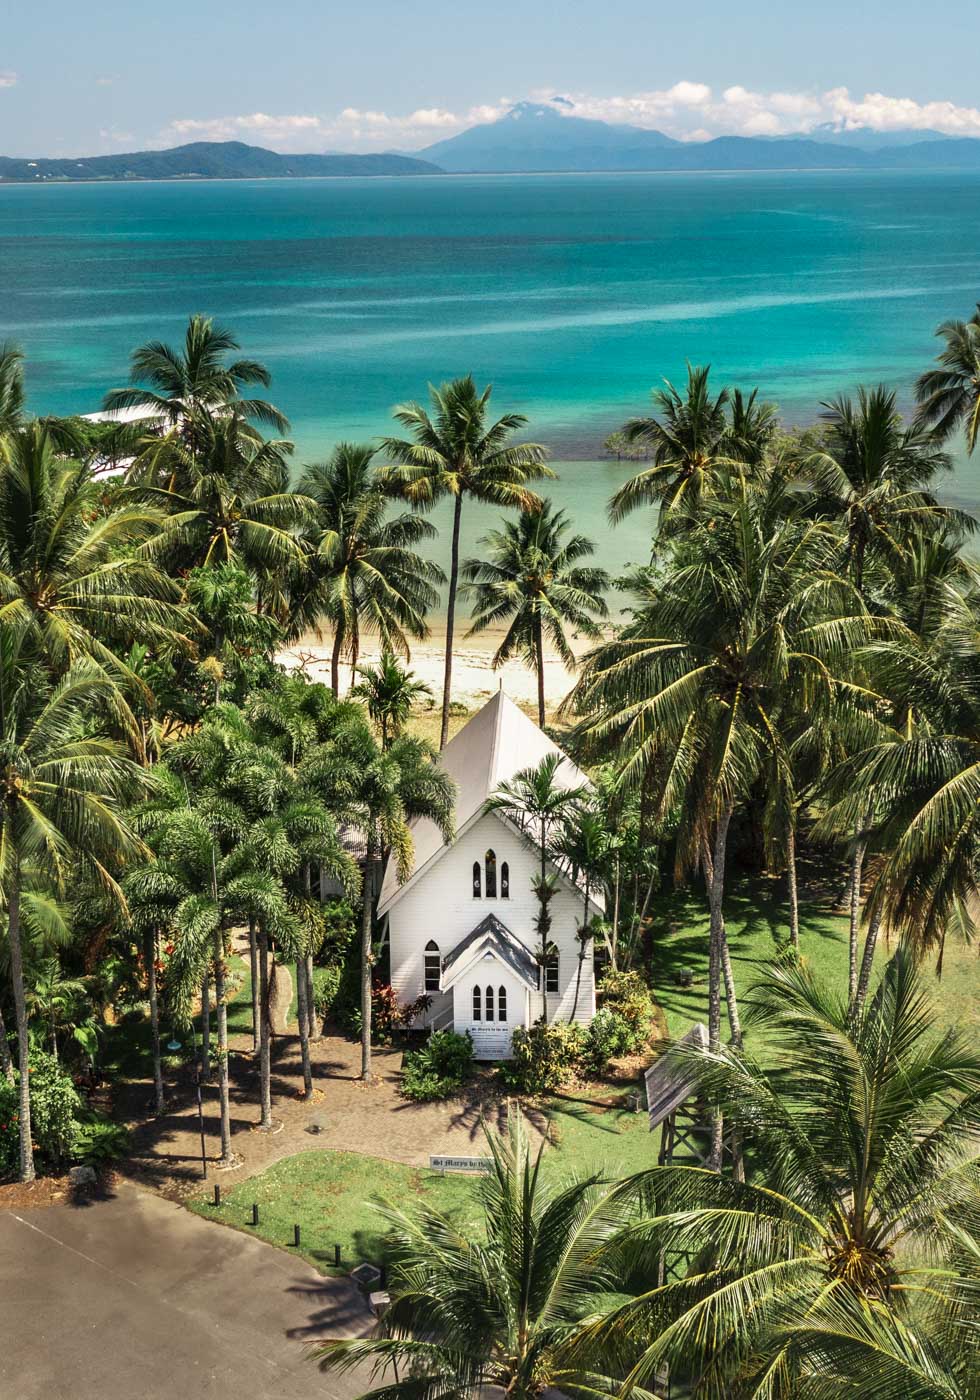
296	1236
255	1214
217	1195
336	1256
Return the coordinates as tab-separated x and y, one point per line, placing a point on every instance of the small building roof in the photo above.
493	937
669	1081
498	742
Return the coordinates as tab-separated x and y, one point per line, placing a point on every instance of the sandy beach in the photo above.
474	679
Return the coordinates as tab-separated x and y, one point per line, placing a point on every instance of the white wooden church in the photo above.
461	927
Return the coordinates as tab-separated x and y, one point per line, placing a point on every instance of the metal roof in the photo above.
490	936
669	1081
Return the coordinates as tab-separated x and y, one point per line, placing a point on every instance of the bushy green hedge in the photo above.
543	1058
628	996
55	1107
439	1068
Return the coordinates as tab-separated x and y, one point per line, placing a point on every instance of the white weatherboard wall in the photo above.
440	906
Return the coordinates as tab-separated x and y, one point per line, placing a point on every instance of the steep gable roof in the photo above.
490	936
498	742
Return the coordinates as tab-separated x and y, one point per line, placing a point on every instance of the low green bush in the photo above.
98	1139
626	994
438	1068
543	1058
55	1107
609	1035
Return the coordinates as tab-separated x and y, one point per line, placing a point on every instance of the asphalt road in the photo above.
134	1298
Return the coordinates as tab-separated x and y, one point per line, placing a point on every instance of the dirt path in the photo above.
345	1114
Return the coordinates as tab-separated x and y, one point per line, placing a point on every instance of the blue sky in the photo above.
375	74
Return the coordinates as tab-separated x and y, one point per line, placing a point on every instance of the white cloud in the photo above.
7	78
688	110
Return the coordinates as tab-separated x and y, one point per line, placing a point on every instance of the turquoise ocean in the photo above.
572	294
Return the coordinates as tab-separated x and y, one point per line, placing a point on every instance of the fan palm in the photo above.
390	693
873	477
541	798
748	627
64	786
695	437
69	572
362	572
949	397
531	577
498	1312
455	451
838	1268
180	386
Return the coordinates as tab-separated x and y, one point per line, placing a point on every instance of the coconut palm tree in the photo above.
874	477
390	693
540	798
949	397
694	438
64	788
453	450
531	577
843	1265
12	396
227	502
748	627
180	386
362	571
70	570
499	1310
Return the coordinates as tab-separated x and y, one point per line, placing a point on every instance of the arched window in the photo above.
477	1003
504	881
489	1004
433	966
476	879
501	1003
551	974
490	865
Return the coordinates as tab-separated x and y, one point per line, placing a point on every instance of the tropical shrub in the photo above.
54	1108
98	1139
609	1035
439	1068
626	994
326	986
543	1058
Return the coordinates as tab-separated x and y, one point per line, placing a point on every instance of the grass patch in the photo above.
329	1195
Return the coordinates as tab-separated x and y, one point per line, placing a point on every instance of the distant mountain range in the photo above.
530	137
536	136
207	160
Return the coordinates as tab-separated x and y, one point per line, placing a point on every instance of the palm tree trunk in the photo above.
582	942
313	1019
794	903
6	1063
857	862
222	1009
716	895
151	969
867	962
205	1028
367	911
447	684
20	1011
539	656
303	1022
338	641
544	932
265	1032
725	955
253	962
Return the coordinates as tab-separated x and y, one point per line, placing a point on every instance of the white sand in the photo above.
474	679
